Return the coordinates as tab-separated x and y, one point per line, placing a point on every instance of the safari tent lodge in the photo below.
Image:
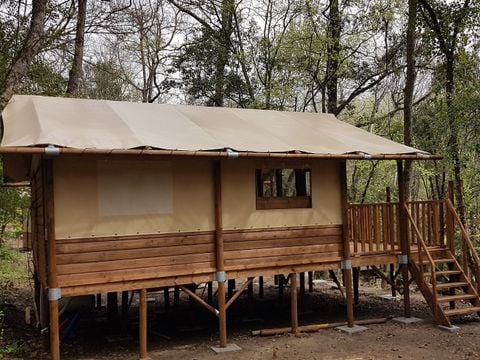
127	197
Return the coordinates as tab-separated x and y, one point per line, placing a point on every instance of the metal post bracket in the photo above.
346	265
220	276
54	294
403	259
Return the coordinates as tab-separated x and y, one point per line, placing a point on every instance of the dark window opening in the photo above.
283	188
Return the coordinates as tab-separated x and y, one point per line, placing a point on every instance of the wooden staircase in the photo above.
450	289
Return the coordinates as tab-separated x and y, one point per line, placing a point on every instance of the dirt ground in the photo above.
189	331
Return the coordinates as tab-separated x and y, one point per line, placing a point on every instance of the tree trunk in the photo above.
76	71
29	50
409	88
453	133
334	28
228	7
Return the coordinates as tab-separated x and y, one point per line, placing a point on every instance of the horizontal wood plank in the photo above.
183	260
138	254
154	272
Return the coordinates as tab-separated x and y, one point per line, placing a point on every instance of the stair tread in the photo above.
462	311
455	297
442	260
452	284
448	272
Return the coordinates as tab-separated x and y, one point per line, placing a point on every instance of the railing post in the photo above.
404	241
450	225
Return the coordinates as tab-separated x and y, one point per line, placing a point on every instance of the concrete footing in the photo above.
228	348
409	320
390	297
452	329
352	330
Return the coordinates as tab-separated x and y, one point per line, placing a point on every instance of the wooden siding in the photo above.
270	248
116	259
39	244
95	264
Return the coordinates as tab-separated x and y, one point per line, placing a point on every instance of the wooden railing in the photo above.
374	228
470	259
422	250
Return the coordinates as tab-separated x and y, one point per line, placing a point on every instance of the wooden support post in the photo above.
404	241
302	289
166	298
260	287
346	244
47	165
210	292
450	231
310	281
392	280
112	305
356	283
293	303
176	297
281	283
275	279
250	289
392	239
142	324
219	252
124	311
230	288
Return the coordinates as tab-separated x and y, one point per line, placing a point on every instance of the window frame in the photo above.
282	202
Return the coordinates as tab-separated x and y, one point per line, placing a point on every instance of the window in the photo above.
283	188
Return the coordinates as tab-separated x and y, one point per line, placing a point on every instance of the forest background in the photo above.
406	70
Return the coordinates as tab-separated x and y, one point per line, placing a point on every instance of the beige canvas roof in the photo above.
31	121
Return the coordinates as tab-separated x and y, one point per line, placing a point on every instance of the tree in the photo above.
409	89
30	48
447	21
76	70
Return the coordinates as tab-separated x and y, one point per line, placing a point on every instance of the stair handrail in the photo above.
468	243
421	244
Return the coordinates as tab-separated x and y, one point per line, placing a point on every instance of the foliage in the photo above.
12	267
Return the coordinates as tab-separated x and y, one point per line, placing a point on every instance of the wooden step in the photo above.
428	274
442	299
462	311
448	272
451	285
439	261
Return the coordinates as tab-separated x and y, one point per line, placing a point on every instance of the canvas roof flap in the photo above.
34	122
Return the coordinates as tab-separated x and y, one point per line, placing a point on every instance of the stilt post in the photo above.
404	242
310	281
220	275
392	237
293	302
346	263
53	290
260	287
142	324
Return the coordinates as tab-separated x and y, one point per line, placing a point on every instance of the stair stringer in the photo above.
438	315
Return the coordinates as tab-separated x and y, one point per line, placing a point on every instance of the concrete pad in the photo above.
452	329
228	348
352	330
390	297
409	320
